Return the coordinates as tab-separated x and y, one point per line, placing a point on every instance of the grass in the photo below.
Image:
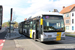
70	35
70	32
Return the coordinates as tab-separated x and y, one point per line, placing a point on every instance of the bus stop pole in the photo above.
10	22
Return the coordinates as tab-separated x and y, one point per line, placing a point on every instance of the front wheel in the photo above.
34	36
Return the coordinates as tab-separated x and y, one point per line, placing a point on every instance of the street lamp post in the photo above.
10	22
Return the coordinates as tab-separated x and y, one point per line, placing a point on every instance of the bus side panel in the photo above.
24	31
21	30
53	36
30	31
33	31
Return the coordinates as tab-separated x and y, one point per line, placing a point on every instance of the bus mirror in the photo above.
41	21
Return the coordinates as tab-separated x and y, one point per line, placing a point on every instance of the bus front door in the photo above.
37	30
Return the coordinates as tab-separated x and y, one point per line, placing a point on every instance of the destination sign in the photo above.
52	17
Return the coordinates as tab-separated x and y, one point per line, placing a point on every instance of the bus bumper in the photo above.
52	39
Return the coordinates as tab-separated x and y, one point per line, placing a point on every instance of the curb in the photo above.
6	37
13	38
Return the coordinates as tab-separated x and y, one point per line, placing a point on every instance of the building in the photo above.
55	10
69	18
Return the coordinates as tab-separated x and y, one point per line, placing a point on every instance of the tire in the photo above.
34	36
24	31
20	32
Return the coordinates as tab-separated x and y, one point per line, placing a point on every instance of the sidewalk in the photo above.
13	35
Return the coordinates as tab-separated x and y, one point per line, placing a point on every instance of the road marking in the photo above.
35	44
3	40
30	42
17	44
1	44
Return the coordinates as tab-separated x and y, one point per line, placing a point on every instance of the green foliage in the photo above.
15	25
71	35
6	24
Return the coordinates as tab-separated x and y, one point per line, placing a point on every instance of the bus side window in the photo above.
25	26
31	24
28	26
38	24
21	26
34	25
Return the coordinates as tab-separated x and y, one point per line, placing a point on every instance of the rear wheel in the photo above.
24	31
20	32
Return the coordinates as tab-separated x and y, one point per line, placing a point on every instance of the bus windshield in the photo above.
53	23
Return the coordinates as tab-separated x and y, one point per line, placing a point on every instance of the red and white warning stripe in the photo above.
1	43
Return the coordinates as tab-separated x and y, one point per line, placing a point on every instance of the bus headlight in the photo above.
63	34
44	34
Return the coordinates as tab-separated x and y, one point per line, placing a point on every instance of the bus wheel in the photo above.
24	31
34	36
19	31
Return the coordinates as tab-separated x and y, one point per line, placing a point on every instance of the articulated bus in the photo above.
44	27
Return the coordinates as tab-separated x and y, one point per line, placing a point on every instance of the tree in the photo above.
6	24
16	24
55	10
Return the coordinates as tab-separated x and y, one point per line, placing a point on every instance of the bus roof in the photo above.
46	13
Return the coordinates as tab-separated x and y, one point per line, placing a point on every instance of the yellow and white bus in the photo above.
44	27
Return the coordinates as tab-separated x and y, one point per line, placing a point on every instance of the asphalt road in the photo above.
25	43
3	33
68	43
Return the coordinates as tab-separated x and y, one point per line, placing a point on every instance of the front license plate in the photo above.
49	35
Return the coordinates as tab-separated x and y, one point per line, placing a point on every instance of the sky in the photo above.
25	8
